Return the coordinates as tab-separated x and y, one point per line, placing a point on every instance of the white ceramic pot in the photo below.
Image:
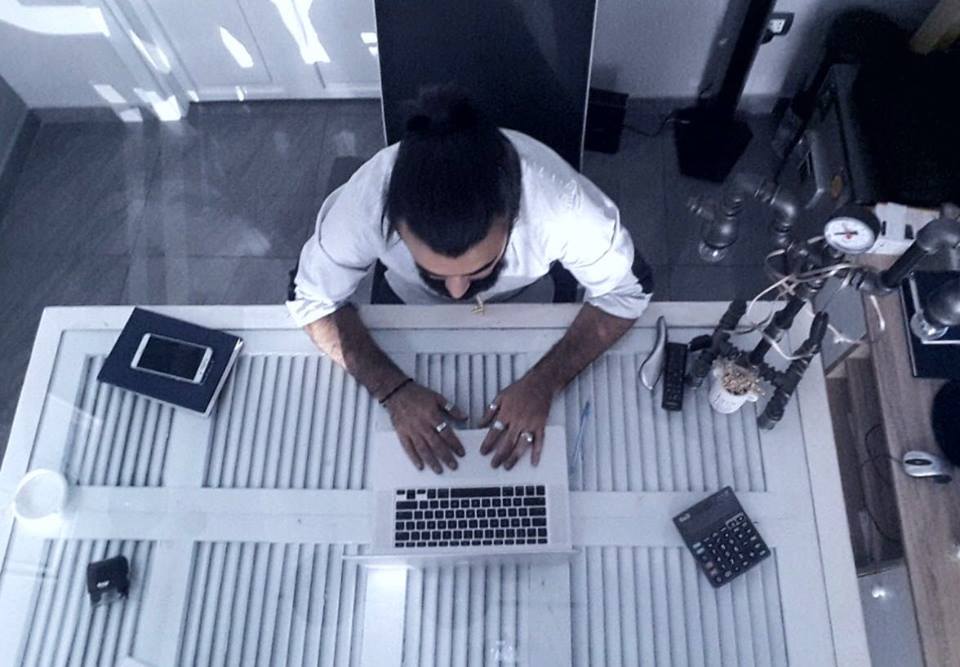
722	400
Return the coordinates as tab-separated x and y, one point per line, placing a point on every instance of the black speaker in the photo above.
709	138
945	417
606	111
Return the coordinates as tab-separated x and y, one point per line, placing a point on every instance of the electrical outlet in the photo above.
778	24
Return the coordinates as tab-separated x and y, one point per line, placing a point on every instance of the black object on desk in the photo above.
198	397
930	359
946	426
674	373
721	537
108	580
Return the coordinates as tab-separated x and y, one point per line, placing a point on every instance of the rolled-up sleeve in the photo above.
335	258
599	252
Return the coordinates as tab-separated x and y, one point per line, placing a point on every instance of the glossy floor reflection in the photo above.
214	209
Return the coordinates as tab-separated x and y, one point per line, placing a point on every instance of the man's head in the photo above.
454	194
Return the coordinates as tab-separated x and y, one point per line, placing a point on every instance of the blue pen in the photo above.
577	458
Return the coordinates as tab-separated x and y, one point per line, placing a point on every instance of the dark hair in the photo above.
455	174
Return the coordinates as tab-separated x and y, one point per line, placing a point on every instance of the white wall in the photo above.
659	48
50	67
13	111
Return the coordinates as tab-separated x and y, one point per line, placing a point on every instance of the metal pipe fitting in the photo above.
720	227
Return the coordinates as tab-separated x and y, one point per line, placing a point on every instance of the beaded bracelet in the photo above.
395	390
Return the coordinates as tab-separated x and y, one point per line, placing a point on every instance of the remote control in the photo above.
674	370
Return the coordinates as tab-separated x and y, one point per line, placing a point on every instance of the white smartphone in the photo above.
172	358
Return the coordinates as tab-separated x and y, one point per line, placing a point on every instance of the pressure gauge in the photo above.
852	230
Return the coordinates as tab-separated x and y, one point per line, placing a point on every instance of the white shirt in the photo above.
563	216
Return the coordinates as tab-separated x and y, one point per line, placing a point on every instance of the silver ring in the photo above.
528	436
448	407
439	428
499	425
493	407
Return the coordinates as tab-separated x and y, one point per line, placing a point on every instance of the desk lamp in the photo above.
805	267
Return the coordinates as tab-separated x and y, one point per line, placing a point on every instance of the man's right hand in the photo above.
416	413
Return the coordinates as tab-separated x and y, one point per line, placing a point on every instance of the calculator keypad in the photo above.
730	551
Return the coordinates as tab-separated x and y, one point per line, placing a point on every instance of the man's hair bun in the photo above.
455	175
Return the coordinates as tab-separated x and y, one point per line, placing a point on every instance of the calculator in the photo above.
721	537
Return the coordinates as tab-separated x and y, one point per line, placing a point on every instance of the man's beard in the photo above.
476	286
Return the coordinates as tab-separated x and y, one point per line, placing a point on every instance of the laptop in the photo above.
473	511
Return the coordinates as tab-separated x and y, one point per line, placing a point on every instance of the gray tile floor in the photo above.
214	209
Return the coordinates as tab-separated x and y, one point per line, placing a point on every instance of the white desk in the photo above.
237	526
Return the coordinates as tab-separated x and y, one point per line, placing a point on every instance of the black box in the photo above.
606	111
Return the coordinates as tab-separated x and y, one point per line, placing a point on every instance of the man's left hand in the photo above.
517	417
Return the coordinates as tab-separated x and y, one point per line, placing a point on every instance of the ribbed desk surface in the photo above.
239	528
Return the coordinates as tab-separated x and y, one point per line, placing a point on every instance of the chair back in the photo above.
526	63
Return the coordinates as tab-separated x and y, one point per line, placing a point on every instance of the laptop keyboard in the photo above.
471	516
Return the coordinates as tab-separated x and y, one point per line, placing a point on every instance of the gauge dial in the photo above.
851	233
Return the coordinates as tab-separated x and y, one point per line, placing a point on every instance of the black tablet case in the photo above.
196	397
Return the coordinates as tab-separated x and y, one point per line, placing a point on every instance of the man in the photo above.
460	209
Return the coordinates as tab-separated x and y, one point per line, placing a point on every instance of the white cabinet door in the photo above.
348	30
280	49
216	47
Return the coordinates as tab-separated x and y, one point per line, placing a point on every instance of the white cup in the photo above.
722	400
41	494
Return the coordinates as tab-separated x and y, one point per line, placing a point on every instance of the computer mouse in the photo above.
925	464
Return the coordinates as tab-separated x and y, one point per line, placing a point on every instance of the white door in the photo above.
261	49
